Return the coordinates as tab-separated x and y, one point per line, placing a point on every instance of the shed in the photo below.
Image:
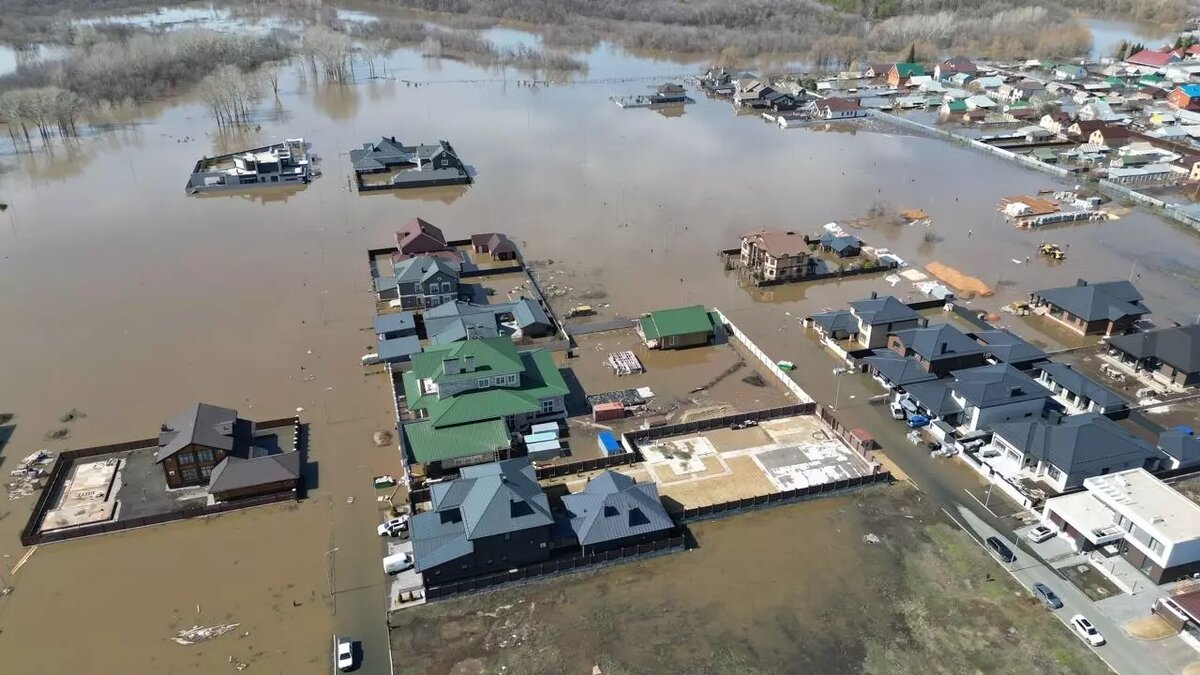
545	427
603	412
608	443
544	450
676	328
533	439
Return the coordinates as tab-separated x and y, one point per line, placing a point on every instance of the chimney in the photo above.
874	295
1014	392
945	347
468	364
450	366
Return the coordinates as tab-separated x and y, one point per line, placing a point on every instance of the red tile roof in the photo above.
1147	57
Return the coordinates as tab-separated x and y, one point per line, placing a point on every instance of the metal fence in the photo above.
634	438
488	271
775	498
767	362
440	591
568	468
835	274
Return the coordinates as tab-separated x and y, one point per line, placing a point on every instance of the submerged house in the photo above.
497	245
207	445
419	283
285	163
1169	355
677	328
389	164
458	321
776	255
614	511
877	317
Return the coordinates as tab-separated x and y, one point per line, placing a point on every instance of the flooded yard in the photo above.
128	300
874	582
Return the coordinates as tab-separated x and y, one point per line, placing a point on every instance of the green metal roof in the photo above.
540	379
491	357
956	106
908	69
426	444
678	321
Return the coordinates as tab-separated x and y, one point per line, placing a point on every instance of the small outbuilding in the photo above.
677	328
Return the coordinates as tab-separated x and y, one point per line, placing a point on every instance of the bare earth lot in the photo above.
792	589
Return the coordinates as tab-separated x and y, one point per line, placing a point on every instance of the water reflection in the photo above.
336	101
670	110
447	194
263	195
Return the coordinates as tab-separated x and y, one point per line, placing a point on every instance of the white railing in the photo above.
766	360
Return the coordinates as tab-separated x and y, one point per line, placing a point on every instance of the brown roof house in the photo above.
776	255
207	445
496	244
420	237
1111	136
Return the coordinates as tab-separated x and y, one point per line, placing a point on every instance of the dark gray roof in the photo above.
1177	347
1080	385
1084	442
422	268
839	243
938	342
390	152
934	396
875	311
235	472
203	424
455	321
836	320
1111	300
394	322
1008	347
988	386
486	500
1182	444
613	506
898	370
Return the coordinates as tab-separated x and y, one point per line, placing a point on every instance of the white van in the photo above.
395	564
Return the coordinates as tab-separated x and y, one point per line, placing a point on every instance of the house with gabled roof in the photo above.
1004	346
1170	355
900	73
1063	455
389	164
953	66
497	245
776	254
880	316
895	371
1151	59
420	237
470	397
493	517
1078	392
992	394
1103	308
677	328
614	511
458	321
938	349
420	282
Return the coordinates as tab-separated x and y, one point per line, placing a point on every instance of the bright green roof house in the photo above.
678	328
473	395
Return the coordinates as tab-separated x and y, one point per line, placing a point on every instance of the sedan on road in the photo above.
1047	596
1086	630
1003	552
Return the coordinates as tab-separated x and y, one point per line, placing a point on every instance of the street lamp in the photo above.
837	376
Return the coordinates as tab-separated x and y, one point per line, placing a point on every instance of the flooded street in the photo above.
128	300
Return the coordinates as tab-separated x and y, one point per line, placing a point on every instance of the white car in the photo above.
897	411
343	654
1086	630
1040	533
392	527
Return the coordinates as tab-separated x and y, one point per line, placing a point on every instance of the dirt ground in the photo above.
818	598
1189	488
1150	628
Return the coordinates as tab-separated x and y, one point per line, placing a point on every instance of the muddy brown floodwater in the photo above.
125	299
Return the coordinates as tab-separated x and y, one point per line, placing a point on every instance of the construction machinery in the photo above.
1052	251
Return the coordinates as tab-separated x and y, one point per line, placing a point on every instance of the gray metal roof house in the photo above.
993	394
613	511
939	349
879	316
1107	307
897	371
1004	346
1079	392
493	517
1182	447
1079	447
1172	354
457	321
409	166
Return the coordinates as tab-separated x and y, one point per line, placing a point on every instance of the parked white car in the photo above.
397	563
1040	533
393	526
343	653
1086	630
897	411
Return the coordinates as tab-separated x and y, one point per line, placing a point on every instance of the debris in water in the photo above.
201	633
871	538
382	438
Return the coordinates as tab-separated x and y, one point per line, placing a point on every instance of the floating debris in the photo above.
202	633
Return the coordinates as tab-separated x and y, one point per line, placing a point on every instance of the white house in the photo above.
1151	525
981	397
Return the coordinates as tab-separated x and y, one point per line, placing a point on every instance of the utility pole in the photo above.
329	575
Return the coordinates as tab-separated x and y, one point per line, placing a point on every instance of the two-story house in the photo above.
938	349
1079	393
493	517
776	255
878	317
978	398
420	237
1063	455
470	397
1153	526
954	66
423	282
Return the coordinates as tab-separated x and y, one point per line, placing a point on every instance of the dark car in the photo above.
1047	596
1001	550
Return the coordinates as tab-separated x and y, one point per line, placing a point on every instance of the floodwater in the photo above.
127	300
1107	34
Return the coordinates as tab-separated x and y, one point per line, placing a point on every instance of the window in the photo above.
417	288
1054	473
486	382
190	475
206	471
445	286
1156	546
204	455
186	457
548	405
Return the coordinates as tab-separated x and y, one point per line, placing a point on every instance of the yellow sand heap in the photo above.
966	286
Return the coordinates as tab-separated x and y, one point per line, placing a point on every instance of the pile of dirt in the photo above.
965	286
913	215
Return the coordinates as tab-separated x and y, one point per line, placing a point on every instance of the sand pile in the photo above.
914	214
965	286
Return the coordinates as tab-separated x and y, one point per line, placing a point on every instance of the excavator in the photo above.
1052	251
